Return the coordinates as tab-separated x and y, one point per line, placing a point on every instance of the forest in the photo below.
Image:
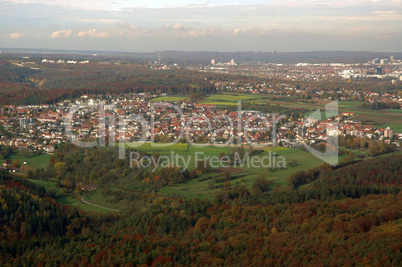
26	86
381	105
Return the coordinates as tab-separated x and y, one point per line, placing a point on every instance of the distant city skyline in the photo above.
218	25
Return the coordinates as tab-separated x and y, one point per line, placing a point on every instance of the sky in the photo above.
194	25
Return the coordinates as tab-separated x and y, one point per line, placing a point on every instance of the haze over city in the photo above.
145	26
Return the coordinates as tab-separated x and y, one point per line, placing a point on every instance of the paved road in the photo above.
86	202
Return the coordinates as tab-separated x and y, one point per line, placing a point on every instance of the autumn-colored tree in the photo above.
225	175
60	168
52	161
16	163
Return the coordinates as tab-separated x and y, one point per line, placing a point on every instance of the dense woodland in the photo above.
26	86
350	215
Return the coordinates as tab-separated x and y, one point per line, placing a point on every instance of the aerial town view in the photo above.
216	133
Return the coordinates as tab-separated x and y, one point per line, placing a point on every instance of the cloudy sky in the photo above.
194	25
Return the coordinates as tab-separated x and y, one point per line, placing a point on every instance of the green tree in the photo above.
260	185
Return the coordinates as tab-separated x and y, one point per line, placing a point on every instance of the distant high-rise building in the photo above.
391	59
375	61
379	70
384	61
213	62
232	62
388	133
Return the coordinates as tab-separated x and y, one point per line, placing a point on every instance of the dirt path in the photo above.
86	202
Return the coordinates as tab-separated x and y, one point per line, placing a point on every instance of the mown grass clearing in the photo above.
71	201
41	161
100	199
172	98
46	184
230	99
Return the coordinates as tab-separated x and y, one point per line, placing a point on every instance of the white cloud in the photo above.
61	34
176	27
93	34
385	12
15	35
126	25
235	32
106	5
197	33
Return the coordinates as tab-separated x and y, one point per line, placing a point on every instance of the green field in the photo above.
243	175
47	185
184	151
385	117
173	98
191	189
246	175
69	200
396	127
392	118
38	162
394	111
222	103
230	99
98	198
349	104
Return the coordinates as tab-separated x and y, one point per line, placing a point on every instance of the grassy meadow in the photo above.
229	99
172	98
246	175
41	161
185	151
69	200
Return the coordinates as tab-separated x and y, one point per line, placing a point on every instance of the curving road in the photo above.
86	202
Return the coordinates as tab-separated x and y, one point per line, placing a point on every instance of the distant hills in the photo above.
250	56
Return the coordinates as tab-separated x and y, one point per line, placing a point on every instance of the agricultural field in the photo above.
397	127
349	104
381	118
229	99
172	98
